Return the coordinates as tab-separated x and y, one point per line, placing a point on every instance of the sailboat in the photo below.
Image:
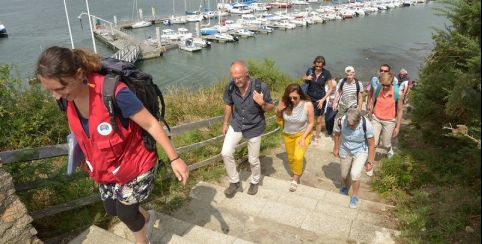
140	22
176	19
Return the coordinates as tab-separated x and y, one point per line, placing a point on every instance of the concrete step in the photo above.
166	228
278	190
318	216
95	235
244	226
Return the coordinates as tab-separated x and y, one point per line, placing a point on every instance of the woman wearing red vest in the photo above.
116	159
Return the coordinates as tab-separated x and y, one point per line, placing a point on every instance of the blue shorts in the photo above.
319	111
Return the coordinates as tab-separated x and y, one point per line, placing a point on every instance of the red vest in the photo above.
111	157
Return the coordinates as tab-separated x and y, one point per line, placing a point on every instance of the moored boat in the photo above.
3	31
141	24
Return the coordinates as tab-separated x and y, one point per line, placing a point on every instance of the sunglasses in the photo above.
319	66
384	70
294	98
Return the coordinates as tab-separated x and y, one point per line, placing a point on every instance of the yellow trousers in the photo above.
295	152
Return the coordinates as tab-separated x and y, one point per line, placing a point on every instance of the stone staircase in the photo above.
314	213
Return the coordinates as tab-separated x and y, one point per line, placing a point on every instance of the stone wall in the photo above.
15	223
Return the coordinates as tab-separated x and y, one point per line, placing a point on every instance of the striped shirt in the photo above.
297	121
349	98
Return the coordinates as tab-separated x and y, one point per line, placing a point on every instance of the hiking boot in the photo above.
354	202
390	152
253	189
232	189
344	190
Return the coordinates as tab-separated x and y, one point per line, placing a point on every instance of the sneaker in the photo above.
150	223
354	202
253	189
370	173
344	190
390	152
232	189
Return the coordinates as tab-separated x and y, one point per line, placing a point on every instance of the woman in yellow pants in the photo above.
297	113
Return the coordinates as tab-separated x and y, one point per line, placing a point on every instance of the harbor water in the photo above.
401	37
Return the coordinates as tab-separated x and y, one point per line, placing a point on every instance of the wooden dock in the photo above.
117	40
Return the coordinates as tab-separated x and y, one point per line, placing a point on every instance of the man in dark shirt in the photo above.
246	106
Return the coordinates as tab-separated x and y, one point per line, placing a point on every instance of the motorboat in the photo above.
240	8
244	33
265	29
141	24
169	35
224	37
194	18
187	44
284	24
201	42
3	30
183	33
177	20
206	31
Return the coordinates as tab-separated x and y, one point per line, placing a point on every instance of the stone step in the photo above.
318	216
95	235
247	227
311	198
167	227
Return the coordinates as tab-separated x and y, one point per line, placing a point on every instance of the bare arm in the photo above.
360	101
336	145
228	110
150	124
399	116
335	102
311	122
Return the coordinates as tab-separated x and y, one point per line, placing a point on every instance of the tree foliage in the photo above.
29	116
450	80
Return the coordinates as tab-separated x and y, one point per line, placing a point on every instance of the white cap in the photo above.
349	69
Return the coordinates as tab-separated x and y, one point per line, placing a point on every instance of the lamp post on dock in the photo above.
68	25
90	24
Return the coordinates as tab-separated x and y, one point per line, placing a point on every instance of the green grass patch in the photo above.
435	184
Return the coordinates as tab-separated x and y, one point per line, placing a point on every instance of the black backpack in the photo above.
141	85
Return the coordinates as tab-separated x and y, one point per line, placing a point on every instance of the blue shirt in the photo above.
352	141
316	87
127	102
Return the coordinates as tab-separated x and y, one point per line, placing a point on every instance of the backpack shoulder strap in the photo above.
108	96
231	87
364	126
257	85
395	92
357	82
341	85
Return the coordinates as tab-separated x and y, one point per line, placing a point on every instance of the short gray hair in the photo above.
240	62
353	116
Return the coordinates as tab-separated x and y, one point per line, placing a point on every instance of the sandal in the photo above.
293	185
